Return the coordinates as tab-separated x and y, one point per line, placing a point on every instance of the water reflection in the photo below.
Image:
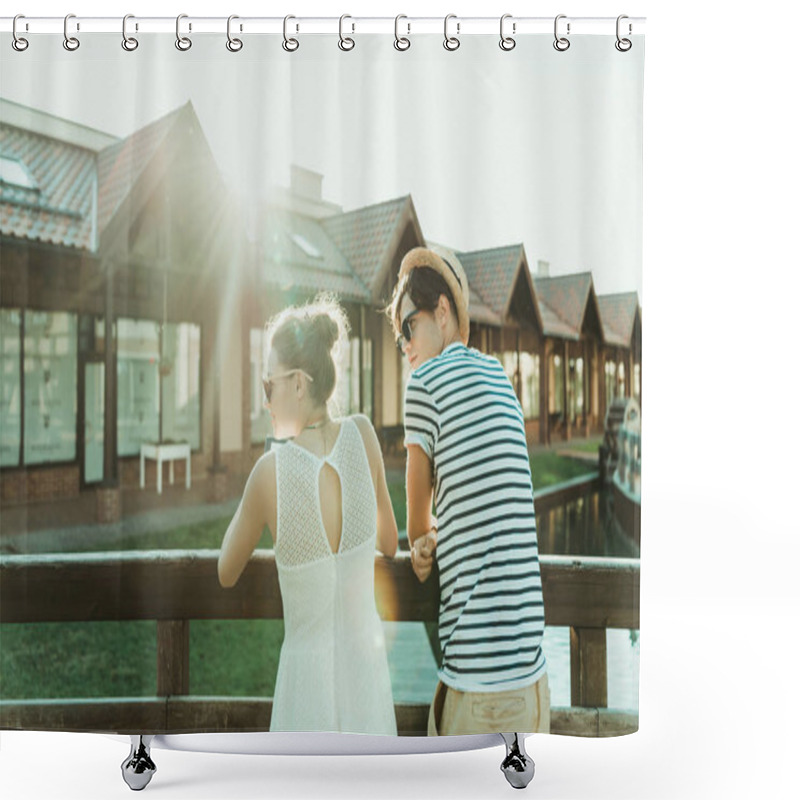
583	527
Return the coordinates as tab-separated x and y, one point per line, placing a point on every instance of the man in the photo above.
465	435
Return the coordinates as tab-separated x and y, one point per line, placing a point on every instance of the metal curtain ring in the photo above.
401	43
561	43
507	42
290	45
18	42
451	42
234	45
183	43
70	42
345	43
623	45
129	43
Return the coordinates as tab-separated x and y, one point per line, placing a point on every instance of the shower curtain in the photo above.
161	203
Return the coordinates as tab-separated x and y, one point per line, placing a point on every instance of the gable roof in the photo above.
61	209
121	165
562	303
492	273
299	254
367	237
618	315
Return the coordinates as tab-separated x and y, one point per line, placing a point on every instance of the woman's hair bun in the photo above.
325	329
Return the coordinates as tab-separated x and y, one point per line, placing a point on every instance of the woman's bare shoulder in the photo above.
365	427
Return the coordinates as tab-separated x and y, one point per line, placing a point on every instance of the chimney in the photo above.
542	269
306	183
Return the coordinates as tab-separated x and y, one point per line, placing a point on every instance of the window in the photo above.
611	382
51	384
529	371
138	395
305	246
10	416
15	173
144	379
260	426
181	383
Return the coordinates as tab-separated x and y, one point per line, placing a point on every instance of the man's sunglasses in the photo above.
405	327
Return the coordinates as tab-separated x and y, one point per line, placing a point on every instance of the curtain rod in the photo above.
407	25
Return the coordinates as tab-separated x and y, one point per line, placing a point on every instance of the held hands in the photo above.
422	555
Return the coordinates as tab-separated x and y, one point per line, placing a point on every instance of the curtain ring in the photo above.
561	43
71	43
345	43
451	42
507	42
183	43
18	42
129	43
401	43
623	45
234	45
290	45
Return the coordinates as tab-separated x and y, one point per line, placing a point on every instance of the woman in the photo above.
465	435
323	495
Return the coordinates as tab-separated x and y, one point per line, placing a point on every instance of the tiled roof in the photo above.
299	254
364	237
119	166
617	315
492	272
562	303
60	211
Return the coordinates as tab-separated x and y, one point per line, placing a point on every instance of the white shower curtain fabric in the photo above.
157	209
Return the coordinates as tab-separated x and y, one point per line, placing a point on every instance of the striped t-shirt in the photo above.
461	409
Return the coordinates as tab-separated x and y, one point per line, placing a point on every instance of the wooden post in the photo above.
173	657
601	388
586	388
110	463
565	382
544	400
588	667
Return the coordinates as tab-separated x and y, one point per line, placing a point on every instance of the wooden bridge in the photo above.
173	587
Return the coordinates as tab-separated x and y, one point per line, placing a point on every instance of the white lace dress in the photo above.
333	673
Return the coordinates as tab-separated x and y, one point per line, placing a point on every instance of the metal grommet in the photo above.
401	43
623	45
183	43
290	45
234	45
345	42
451	42
18	42
507	42
129	43
561	43
71	43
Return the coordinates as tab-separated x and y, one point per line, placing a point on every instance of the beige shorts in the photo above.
525	710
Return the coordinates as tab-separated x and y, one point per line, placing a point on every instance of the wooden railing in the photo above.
173	587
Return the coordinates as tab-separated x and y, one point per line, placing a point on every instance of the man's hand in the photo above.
422	555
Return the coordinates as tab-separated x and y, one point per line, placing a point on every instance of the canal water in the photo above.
581	527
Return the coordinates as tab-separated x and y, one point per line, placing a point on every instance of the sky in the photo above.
532	146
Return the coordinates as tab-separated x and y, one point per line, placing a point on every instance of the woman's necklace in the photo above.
319	425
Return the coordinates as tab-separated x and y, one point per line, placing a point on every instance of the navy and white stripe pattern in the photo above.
460	407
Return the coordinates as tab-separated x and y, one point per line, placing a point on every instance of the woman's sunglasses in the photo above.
405	327
269	383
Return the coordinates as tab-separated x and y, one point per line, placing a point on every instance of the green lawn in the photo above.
227	657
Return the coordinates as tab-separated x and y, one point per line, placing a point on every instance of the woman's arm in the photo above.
419	493
387	524
248	522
